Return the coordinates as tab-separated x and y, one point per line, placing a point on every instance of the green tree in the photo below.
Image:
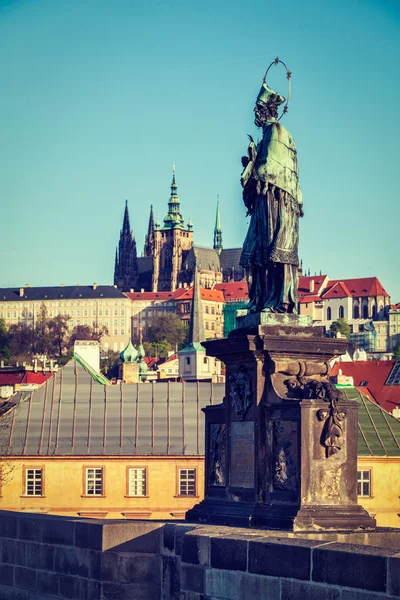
84	332
109	364
57	335
157	350
341	326
5	352
396	352
168	328
22	339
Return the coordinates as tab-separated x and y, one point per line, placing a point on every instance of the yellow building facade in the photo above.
117	487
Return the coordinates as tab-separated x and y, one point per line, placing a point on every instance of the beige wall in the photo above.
384	502
113	313
64	491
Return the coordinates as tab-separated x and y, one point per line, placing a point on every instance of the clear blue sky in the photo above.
98	98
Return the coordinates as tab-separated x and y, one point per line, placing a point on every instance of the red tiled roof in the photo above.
395	306
374	373
150	295
233	290
23	377
310	298
304	284
363	286
150	361
211	295
338	290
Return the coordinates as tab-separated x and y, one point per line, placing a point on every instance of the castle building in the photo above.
169	255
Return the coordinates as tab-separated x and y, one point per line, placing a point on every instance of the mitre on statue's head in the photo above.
267	96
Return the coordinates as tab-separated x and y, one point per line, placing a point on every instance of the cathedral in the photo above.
169	257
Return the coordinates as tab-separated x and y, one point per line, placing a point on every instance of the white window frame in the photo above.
137	481
34	481
364	477
94	476
187	482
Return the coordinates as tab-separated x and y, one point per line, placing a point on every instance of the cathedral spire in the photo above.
126	227
217	230
149	241
126	269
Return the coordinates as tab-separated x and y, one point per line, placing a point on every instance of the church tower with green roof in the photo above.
172	242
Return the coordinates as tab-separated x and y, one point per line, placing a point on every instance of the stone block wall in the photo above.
47	557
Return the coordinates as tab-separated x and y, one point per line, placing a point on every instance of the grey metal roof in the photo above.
73	415
62	292
230	257
206	258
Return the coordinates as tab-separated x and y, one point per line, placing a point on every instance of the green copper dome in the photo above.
129	354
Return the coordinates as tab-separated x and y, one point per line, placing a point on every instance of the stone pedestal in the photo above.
281	450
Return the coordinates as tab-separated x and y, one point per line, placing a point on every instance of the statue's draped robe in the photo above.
272	194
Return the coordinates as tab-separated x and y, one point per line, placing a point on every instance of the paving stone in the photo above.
69	586
222	584
7	574
347	594
293	590
171	582
133	536
196	549
351	566
131	591
13	551
394	575
139	568
109	566
30	528
169	536
47	583
192	578
57	531
14	593
8	524
71	561
89	535
279	557
228	553
25	578
252	587
180	531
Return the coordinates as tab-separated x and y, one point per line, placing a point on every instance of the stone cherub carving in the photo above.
272	195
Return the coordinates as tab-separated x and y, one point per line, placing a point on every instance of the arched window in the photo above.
374	312
365	311
329	313
341	312
356	312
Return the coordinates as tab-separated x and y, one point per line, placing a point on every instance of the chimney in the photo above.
2	364
311	285
115	286
28	285
51	365
35	365
130	291
21	292
95	286
61	285
142	291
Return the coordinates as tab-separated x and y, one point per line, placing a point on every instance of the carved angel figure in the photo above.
272	195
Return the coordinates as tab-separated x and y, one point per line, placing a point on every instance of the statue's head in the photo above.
267	104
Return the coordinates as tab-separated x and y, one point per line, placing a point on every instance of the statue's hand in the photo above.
301	212
245	161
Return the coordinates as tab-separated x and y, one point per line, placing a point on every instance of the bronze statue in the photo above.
272	195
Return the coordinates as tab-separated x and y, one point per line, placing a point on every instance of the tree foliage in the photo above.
168	328
5	351
48	336
396	352
341	326
157	350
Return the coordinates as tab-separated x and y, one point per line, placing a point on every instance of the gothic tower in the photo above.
172	242
149	242
125	270
217	231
